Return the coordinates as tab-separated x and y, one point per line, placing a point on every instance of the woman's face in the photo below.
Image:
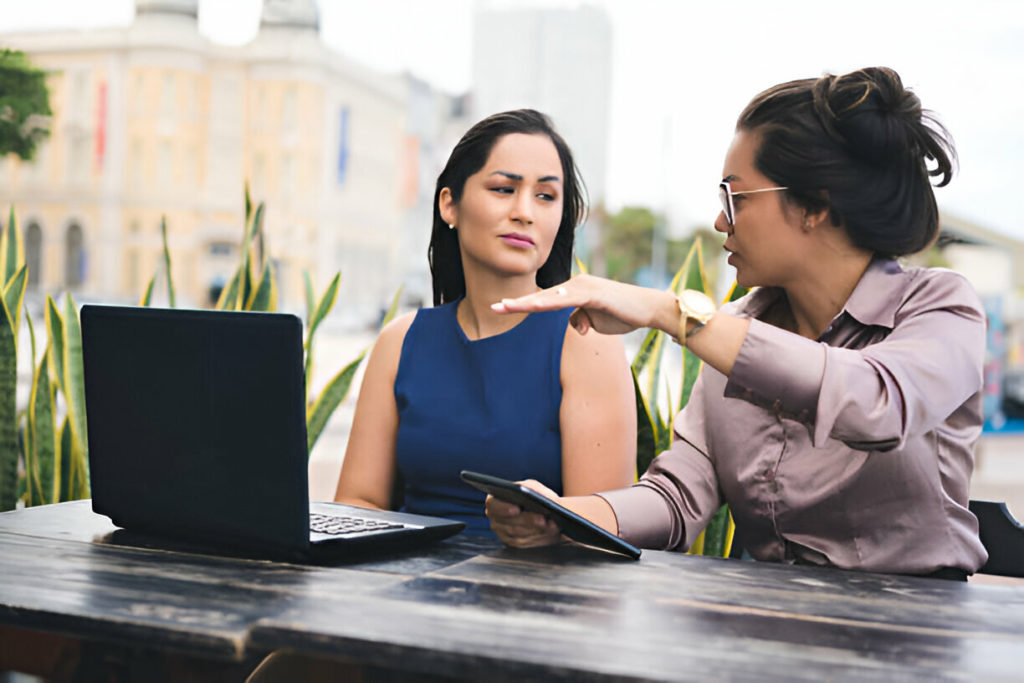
765	243
511	208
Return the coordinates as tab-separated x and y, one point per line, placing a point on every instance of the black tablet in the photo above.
571	524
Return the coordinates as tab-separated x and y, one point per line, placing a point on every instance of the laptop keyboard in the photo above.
339	525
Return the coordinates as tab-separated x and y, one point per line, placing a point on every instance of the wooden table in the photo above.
471	609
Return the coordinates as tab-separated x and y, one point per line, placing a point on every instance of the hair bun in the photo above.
877	120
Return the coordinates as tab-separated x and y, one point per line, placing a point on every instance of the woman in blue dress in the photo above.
459	386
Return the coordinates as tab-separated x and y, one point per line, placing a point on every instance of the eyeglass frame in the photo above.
725	194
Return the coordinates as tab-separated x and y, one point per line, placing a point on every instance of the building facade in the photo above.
153	121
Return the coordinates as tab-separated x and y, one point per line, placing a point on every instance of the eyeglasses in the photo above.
726	194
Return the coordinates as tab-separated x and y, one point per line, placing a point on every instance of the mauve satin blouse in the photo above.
853	451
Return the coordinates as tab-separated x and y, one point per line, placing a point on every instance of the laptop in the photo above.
196	427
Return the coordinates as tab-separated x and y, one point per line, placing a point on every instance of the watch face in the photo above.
698	304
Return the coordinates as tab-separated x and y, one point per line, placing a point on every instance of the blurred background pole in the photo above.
659	270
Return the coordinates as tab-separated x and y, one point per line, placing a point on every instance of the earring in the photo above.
451	226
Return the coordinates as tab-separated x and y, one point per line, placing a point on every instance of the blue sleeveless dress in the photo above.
490	405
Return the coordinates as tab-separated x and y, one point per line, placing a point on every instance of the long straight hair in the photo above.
468	157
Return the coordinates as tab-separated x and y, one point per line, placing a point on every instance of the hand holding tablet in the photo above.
572	525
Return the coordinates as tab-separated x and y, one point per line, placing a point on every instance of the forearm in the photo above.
593	508
718	344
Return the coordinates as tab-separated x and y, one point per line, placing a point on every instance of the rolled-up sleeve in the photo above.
872	398
907	384
779	366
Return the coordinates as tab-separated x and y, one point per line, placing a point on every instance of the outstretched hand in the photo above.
604	305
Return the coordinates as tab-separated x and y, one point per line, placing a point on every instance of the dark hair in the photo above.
858	145
468	157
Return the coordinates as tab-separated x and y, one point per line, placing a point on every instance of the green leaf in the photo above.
716	534
331	396
14	296
245	282
55	329
307	282
147	296
581	267
736	292
643	354
322	309
43	430
167	263
646	439
31	335
691	370
22	492
8	411
74	383
392	309
248	204
264	297
228	300
66	481
12	254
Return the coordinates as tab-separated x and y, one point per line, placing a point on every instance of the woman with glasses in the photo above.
460	386
840	400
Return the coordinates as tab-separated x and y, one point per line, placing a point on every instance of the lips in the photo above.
517	240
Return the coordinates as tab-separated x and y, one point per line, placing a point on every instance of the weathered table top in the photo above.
466	607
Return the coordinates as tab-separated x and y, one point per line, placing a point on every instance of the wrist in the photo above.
666	317
695	310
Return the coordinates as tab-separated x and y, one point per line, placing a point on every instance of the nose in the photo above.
721	224
522	208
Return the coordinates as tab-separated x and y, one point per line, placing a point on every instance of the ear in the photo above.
814	218
446	206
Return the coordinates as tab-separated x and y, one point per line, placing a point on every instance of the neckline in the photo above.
465	338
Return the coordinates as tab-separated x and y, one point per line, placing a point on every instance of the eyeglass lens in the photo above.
725	196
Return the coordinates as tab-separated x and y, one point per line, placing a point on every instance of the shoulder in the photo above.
393	334
591	350
930	288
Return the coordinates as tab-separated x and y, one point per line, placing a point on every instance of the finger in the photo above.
501	509
560	296
580	320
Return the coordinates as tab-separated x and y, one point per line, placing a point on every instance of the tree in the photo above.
629	242
24	105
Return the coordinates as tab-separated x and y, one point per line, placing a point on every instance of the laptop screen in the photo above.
196	424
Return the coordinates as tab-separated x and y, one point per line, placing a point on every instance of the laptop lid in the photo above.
196	424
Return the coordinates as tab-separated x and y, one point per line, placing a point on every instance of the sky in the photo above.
683	70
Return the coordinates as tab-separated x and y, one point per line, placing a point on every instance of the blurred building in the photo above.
154	120
557	60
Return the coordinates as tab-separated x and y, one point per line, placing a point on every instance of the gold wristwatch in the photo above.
693	305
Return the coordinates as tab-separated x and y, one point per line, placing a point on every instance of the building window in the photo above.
78	156
288	176
221	248
167	95
136	169
34	254
74	256
259	174
164	164
138	93
289	120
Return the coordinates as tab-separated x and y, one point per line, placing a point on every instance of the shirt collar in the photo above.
878	294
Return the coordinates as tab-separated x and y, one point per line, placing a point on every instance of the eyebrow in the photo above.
730	178
517	177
